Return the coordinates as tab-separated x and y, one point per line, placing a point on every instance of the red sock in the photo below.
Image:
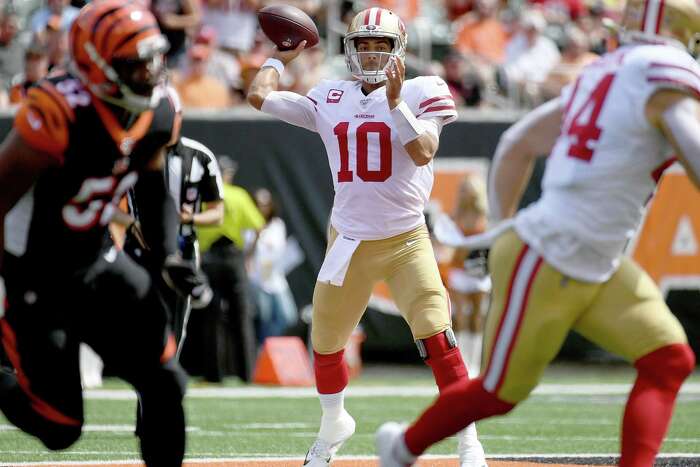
660	375
446	362
457	406
331	372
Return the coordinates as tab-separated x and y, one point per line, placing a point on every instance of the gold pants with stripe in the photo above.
407	263
534	306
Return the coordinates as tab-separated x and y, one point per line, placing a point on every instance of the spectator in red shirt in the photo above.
456	8
574	9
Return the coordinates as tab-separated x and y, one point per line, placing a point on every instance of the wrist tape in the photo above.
274	63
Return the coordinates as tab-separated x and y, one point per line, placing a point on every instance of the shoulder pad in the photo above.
44	118
434	99
665	67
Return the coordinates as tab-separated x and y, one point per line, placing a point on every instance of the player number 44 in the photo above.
584	134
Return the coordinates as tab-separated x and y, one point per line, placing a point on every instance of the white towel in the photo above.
447	233
337	260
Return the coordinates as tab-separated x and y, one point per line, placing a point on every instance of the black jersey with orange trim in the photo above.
97	161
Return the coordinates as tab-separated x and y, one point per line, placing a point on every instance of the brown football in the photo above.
287	26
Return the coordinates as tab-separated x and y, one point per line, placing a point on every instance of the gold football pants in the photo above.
407	263
534	306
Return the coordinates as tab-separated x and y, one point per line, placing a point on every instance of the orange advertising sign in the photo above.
667	244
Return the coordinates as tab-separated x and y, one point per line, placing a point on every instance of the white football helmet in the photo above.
374	23
663	21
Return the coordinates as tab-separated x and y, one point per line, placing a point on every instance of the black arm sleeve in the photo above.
157	215
211	186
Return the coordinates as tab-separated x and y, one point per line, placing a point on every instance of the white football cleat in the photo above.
390	446
331	437
471	453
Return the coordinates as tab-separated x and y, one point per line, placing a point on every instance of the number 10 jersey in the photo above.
379	191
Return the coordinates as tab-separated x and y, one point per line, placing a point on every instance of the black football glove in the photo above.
185	279
2	297
477	263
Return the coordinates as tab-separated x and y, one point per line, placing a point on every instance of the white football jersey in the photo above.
607	160
379	191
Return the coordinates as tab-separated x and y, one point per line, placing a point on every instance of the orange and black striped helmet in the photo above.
117	50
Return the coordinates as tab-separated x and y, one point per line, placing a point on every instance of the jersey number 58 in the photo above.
96	201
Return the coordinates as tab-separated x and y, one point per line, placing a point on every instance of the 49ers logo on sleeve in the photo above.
334	96
96	201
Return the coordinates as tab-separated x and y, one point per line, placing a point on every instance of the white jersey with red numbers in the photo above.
379	191
607	160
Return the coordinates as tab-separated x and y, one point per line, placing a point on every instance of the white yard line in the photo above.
261	457
99	428
242	431
254	392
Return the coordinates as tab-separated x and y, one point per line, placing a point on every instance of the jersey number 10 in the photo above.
362	163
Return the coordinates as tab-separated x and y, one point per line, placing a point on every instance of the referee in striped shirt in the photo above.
194	180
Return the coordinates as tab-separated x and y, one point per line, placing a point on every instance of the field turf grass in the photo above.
258	428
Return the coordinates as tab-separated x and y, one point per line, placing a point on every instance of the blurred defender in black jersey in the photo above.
80	140
194	180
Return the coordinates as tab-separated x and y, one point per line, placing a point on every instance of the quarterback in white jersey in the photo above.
560	265
381	134
380	191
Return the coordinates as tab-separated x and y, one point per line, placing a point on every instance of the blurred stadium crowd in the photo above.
492	53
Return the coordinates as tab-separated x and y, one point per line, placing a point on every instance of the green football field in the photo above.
576	411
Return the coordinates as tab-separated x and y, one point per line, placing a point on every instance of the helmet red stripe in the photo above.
379	17
659	15
653	10
369	10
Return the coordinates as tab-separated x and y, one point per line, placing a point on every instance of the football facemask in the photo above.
374	23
